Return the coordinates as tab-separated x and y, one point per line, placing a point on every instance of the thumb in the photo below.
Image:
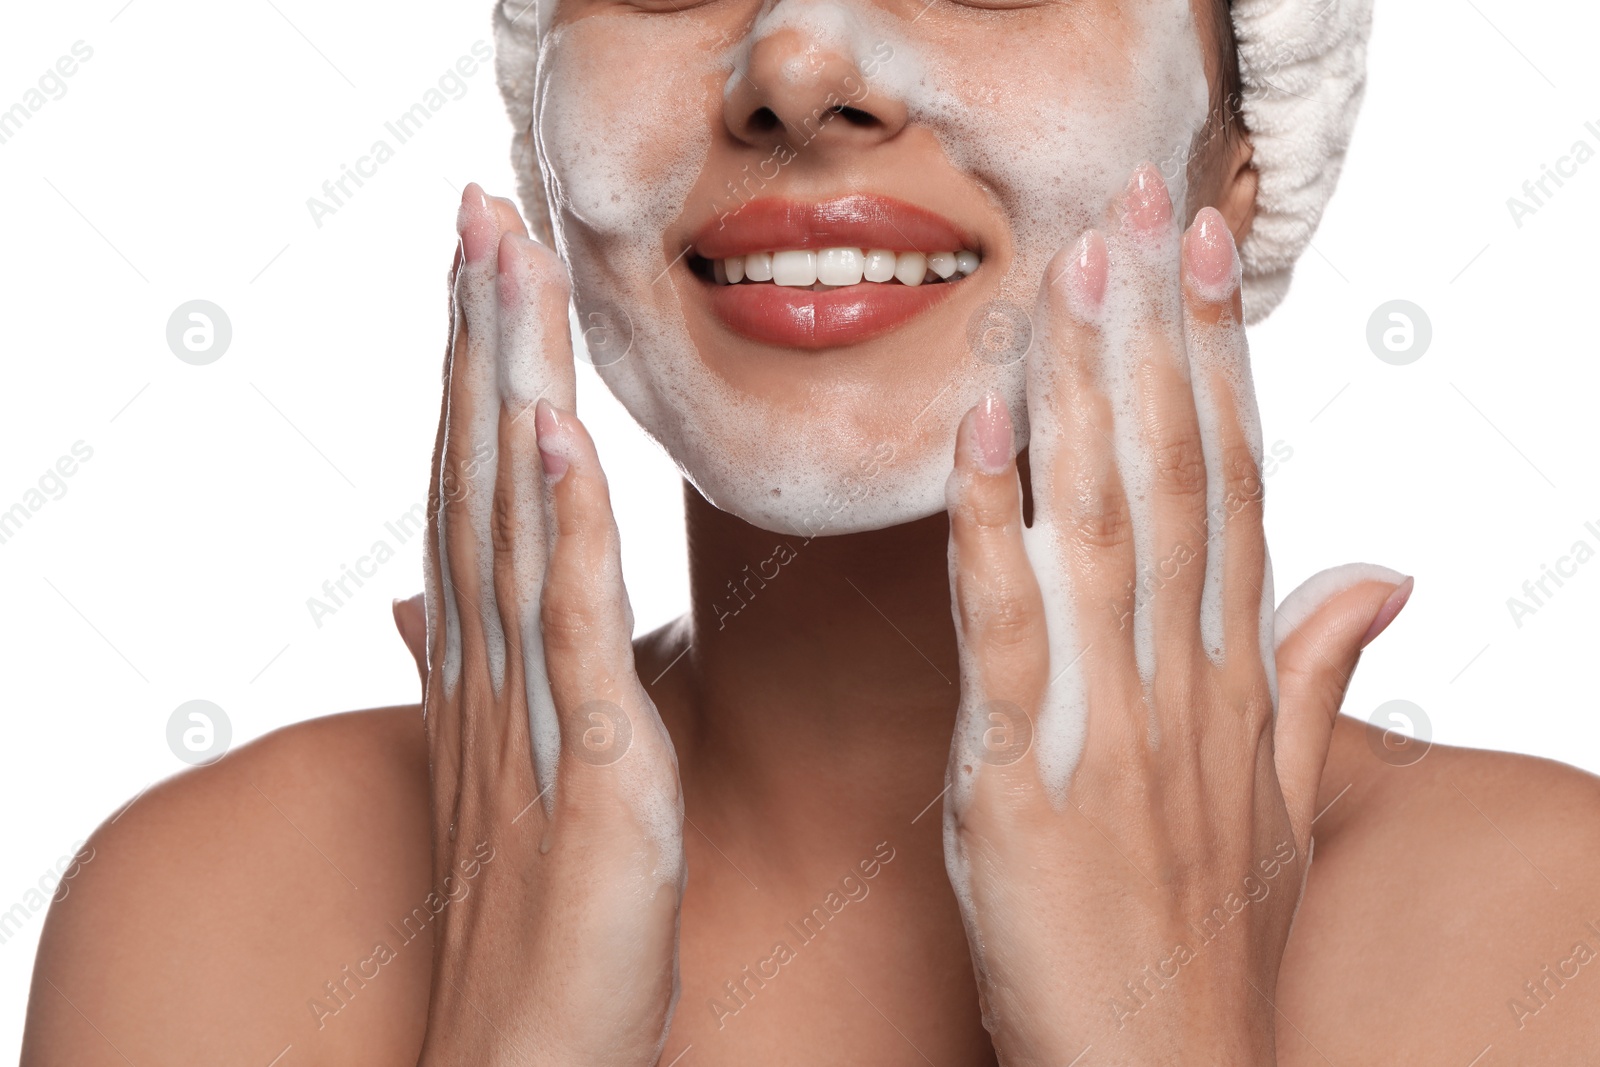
412	623
1321	629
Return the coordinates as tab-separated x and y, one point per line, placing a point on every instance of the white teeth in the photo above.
833	267
797	269
879	265
758	266
839	266
910	267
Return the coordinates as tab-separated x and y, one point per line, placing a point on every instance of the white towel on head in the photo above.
517	29
1303	64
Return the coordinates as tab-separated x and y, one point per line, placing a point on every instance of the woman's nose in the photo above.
809	94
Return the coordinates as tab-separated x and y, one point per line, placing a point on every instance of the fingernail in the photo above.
1147	205
1387	613
992	434
1209	254
475	224
547	424
1085	276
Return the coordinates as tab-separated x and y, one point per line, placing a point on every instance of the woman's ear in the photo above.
1236	196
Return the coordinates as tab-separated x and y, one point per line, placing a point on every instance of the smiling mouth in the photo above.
829	274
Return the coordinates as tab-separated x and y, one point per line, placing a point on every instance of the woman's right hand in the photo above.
557	813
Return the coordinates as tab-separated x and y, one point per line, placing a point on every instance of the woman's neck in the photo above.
822	669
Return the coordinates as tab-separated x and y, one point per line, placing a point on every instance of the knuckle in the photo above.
1102	519
1256	712
1005	618
992	503
1180	466
1241	478
566	622
502	527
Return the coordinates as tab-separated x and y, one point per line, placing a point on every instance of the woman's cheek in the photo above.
623	150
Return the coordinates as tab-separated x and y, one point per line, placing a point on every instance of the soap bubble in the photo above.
1406	735
999	333
199	332
605	735
1007	733
199	732
1399	332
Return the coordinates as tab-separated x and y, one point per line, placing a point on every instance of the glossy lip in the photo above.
805	319
772	224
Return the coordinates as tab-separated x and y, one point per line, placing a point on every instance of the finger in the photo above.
1082	543
1166	467
584	613
507	218
1079	501
1005	651
1322	628
534	363
1236	613
439	713
468	469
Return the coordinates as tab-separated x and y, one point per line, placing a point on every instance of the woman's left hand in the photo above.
1128	825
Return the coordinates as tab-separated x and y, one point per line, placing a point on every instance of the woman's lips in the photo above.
793	317
807	319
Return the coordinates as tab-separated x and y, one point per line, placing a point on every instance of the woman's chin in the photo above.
849	506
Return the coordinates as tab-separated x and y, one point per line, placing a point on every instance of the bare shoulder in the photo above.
222	907
1453	907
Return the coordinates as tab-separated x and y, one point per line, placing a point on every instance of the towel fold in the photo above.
1303	64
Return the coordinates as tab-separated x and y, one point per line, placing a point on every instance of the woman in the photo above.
964	753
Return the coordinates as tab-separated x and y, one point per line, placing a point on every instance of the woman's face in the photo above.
685	144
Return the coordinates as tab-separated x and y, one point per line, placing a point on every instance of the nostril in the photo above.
855	116
764	120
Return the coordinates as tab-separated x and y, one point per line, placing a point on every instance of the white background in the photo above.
218	499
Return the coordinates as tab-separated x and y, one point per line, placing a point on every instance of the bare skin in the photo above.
212	913
387	887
